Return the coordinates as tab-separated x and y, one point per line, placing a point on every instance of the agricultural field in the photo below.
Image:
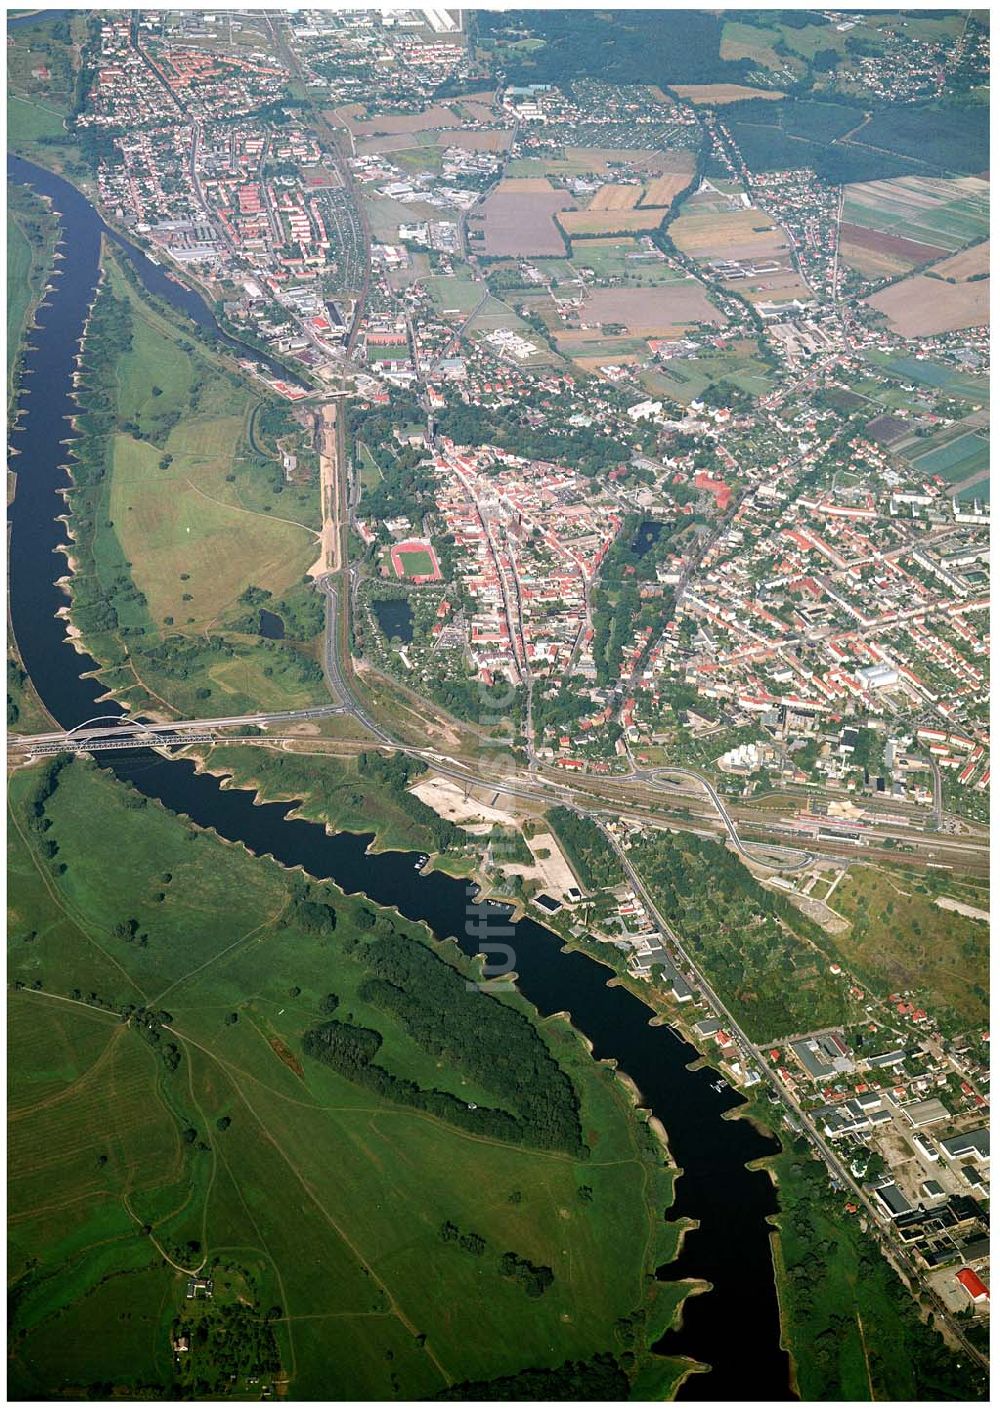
662	190
615	196
650	313
603	161
517	219
611	221
966	265
900	939
479	140
926	372
393	143
717	94
745	234
889	227
955	457
168	1120
921	305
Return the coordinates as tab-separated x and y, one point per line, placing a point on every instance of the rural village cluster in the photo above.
779	579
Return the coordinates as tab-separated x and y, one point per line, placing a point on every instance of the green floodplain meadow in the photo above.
148	1147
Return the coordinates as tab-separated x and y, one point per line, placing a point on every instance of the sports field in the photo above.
199	1137
454	292
415	559
417	562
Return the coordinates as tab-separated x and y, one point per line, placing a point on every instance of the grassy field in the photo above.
416	562
28	121
610	258
19	267
25	712
900	939
746	41
454	292
683	379
368	467
193	519
208	1137
332	788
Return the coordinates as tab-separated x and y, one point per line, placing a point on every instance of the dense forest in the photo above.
751	941
895	140
405	488
587	850
589	452
482	1037
620	46
396	773
599	1378
619	605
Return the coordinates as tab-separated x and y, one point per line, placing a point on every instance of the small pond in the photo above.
395	618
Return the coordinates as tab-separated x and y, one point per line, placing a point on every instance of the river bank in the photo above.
33	255
732	1259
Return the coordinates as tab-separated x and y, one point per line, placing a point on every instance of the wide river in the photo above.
734	1327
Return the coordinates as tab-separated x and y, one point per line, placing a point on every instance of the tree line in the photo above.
484	1039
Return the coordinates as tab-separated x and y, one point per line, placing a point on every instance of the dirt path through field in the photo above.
330	471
